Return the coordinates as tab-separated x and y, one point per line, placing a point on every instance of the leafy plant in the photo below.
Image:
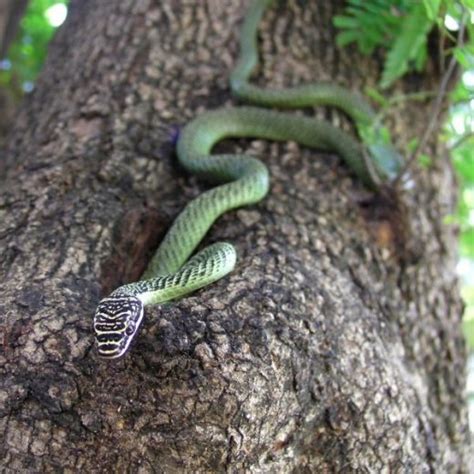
370	23
460	134
27	53
463	157
400	29
404	25
410	47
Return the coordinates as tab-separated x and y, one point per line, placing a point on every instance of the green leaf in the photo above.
344	21
410	45
346	37
369	23
461	56
420	60
432	8
412	144
375	95
467	243
468	325
425	161
463	158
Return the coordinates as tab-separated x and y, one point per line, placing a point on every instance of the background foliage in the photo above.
27	53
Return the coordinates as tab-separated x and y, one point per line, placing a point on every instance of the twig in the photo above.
421	95
436	106
462	139
400	99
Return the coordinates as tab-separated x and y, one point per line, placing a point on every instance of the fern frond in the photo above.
401	26
369	23
409	47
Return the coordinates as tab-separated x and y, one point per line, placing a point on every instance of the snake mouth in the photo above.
116	322
110	351
111	345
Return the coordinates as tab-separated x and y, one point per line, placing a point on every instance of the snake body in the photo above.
241	180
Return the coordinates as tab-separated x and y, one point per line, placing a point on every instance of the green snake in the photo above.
240	179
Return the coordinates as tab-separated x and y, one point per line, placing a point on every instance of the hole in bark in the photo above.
135	238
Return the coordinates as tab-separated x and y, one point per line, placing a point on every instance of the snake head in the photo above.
116	321
386	159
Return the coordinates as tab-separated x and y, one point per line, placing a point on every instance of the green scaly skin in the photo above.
242	180
384	157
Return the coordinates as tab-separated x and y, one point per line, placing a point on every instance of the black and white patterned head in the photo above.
116	321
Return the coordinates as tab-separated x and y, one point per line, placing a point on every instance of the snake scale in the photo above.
240	180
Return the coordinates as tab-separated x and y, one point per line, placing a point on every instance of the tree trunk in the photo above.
334	346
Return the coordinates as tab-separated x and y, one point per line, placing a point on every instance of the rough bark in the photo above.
335	345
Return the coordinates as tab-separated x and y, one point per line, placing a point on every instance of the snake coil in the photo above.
242	180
